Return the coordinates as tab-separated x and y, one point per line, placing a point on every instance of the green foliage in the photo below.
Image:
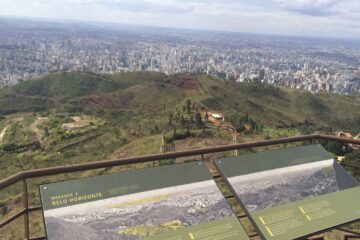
236	120
155	130
62	86
241	122
184	108
15	147
154	93
178	135
188	106
3	209
177	115
198	120
191	119
182	121
13	103
283	107
354	159
134	103
337	148
170	122
19	133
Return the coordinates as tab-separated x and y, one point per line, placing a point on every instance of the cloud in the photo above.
153	6
310	7
313	17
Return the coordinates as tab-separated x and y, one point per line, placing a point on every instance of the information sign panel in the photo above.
175	202
293	192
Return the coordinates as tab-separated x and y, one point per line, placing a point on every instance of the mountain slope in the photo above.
155	93
64	86
284	107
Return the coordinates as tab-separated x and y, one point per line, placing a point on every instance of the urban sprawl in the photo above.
28	52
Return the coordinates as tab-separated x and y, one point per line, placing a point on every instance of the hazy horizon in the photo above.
147	28
317	18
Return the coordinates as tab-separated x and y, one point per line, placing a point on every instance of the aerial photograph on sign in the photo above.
280	186
139	215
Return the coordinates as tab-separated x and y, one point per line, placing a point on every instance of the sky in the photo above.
318	18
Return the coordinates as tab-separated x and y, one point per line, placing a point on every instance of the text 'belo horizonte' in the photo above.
71	198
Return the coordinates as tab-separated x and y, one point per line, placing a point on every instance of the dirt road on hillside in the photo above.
2	134
33	127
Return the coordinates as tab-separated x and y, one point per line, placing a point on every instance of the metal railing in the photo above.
37	173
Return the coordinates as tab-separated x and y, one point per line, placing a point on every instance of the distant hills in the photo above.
157	94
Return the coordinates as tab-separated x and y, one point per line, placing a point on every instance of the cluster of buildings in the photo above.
26	54
314	80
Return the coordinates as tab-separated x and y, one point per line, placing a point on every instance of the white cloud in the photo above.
310	7
307	17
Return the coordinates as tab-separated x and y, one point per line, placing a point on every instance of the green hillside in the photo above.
282	107
64	86
157	93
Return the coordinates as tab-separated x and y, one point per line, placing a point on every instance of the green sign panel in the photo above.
176	202
293	192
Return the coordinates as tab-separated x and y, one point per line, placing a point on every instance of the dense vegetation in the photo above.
156	93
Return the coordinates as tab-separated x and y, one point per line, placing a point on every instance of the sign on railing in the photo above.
174	202
291	193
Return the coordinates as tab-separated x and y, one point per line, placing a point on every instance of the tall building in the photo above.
306	67
261	74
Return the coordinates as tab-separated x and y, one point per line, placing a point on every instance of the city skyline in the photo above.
318	18
32	49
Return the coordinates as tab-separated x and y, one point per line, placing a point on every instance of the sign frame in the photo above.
250	216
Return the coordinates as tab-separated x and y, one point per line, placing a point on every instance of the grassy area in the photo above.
155	93
142	146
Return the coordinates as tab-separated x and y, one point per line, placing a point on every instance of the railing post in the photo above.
235	142
26	208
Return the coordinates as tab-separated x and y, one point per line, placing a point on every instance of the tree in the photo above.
206	116
3	209
191	118
194	107
156	129
46	132
247	118
177	118
184	108
36	145
10	147
354	158
188	106
174	133
337	148
170	119
259	128
182	121
236	120
198	120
